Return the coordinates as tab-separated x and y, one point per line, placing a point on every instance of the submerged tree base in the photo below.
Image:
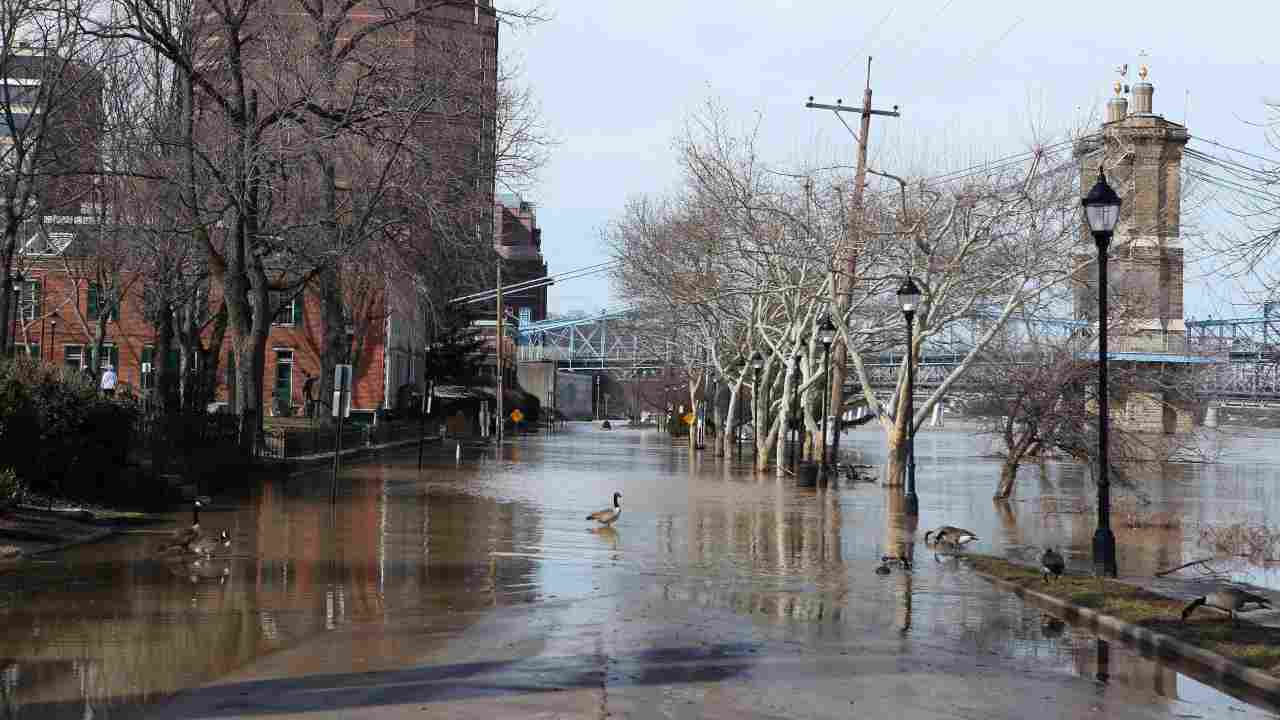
1251	645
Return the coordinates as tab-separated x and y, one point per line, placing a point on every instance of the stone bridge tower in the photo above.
1142	154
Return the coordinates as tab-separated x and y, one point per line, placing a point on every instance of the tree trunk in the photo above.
789	381
334	347
896	467
163	394
731	415
1008	474
6	295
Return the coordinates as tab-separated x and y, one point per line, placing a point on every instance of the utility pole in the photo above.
847	255
501	413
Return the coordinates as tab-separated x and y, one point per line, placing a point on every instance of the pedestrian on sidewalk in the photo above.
108	384
308	385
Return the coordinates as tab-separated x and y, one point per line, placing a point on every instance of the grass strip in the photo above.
1251	645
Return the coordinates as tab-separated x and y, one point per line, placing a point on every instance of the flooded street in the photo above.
479	590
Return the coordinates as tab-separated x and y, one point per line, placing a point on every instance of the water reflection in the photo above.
406	564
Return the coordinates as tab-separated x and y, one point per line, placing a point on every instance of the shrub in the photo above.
11	488
60	434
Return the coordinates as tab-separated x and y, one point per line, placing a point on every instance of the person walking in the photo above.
108	383
308	385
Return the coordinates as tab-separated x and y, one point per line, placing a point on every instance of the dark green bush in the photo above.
58	433
11	488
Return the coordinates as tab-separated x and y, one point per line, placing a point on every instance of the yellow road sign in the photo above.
516	415
688	418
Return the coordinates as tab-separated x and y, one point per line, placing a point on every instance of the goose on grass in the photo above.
608	516
1051	564
1229	600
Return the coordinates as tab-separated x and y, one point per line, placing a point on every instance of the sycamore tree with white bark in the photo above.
740	259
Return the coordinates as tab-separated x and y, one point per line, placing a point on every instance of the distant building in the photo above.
518	240
53	114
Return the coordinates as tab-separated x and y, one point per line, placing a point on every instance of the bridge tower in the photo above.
1142	154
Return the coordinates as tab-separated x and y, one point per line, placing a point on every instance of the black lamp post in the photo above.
1102	212
795	410
826	334
909	300
53	334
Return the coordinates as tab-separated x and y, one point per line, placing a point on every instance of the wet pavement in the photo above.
479	590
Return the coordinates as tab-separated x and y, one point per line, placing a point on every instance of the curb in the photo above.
300	466
1213	668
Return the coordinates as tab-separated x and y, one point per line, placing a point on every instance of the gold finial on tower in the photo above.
1119	87
1142	72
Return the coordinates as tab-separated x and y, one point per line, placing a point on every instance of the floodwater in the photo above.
477	589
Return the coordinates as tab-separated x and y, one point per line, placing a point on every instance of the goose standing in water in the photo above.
1228	600
608	516
948	540
207	546
183	537
1051	564
952	534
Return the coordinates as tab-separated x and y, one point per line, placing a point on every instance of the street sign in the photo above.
342	391
341	404
342	378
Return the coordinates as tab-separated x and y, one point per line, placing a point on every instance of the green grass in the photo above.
1253	645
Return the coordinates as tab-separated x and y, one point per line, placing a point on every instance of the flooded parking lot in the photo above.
477	589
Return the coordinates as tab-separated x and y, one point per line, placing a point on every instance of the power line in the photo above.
1233	149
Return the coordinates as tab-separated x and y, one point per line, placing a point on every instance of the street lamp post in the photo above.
757	362
909	300
53	334
826	334
795	411
1102	212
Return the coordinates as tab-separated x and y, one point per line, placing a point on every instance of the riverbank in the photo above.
1235	656
28	530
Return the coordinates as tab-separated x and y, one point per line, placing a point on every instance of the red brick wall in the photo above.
67	294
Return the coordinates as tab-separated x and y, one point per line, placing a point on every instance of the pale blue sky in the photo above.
972	78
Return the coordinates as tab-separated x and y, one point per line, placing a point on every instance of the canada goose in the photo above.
182	537
207	546
201	570
948	540
1052	627
1051	564
608	516
954	535
904	562
1229	600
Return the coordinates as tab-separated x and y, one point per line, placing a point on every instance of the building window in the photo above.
73	356
100	301
526	316
284	377
29	303
290	313
110	354
27	350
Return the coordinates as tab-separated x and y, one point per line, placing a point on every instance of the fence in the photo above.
190	435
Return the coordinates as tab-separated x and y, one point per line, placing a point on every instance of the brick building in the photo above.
518	241
61	305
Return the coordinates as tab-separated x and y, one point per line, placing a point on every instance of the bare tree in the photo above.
49	112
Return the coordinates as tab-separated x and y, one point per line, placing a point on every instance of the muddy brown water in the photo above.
481	581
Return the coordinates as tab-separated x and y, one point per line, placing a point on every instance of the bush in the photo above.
80	439
11	489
